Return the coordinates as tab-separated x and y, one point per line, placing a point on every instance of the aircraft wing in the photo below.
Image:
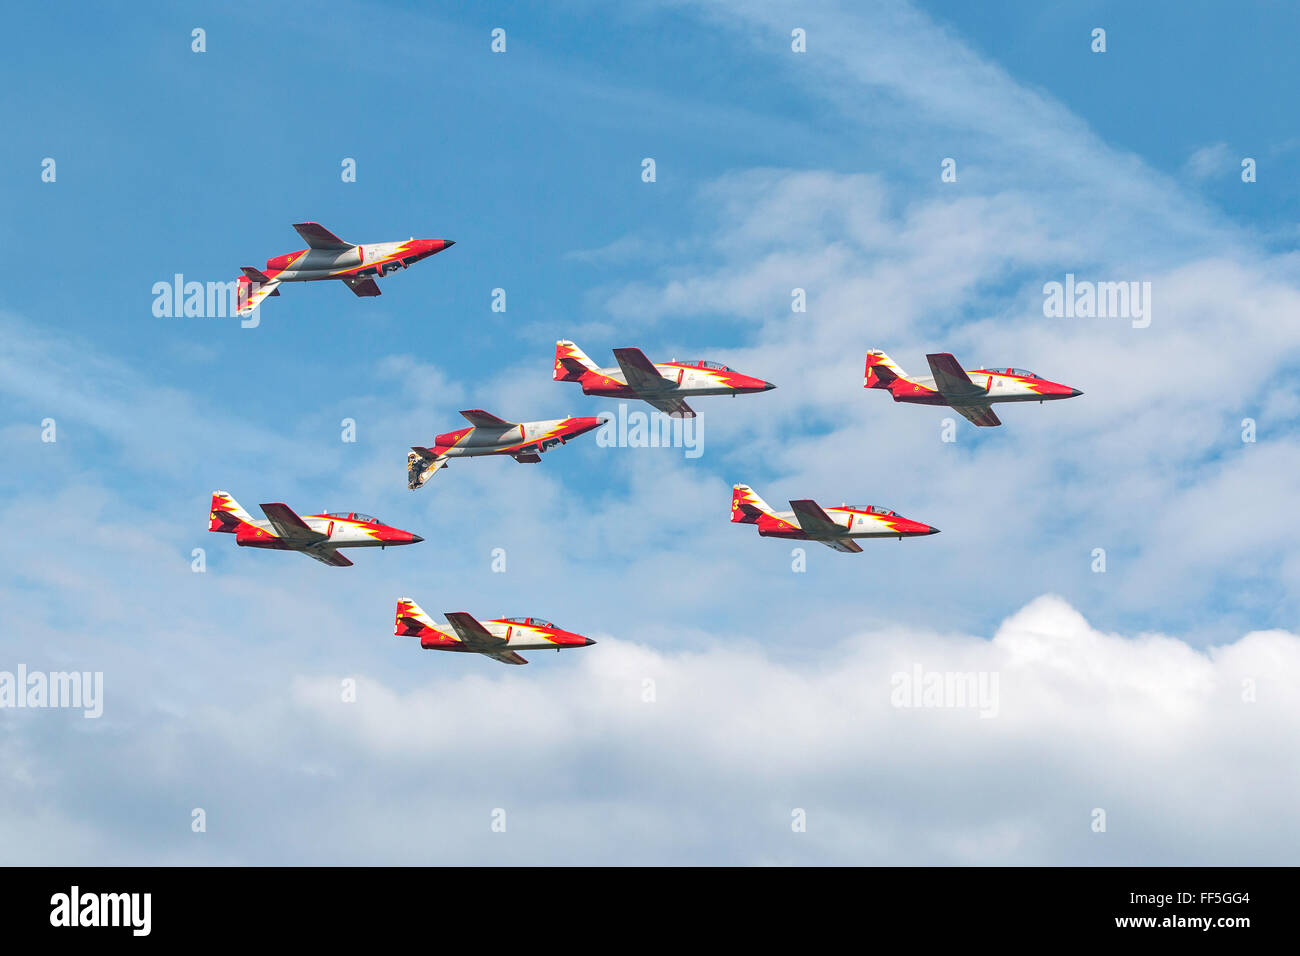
842	544
639	372
318	237
362	287
295	532
327	555
949	377
979	414
251	293
473	633
814	521
481	419
507	657
673	406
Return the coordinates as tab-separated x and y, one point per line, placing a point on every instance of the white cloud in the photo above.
1150	730
1215	160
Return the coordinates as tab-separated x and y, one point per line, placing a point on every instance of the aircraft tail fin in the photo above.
411	619
571	362
746	505
226	514
881	372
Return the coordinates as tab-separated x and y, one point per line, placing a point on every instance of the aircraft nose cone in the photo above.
768	386
416	539
448	243
933	530
1074	392
588	642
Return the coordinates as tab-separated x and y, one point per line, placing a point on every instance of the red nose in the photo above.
916	527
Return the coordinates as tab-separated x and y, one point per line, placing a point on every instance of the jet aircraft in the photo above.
498	639
317	536
329	257
968	393
663	385
834	527
489	435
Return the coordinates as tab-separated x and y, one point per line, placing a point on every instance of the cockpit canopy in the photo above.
700	363
353	516
872	510
1023	373
534	621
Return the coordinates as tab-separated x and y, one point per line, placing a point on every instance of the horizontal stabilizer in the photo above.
409	626
421	465
225	514
571	363
249	293
569	369
746	506
411	619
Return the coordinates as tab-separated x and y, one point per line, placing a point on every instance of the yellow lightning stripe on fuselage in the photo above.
533	441
364	526
533	629
401	251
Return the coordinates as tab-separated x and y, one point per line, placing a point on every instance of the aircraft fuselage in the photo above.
679	379
998	387
340	532
856	522
513	439
373	259
517	635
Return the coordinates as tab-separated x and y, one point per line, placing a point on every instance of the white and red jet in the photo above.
317	536
834	527
499	639
329	257
489	435
968	393
664	385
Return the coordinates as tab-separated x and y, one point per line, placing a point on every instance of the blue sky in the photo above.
775	170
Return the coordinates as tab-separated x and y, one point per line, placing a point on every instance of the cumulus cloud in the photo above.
625	753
